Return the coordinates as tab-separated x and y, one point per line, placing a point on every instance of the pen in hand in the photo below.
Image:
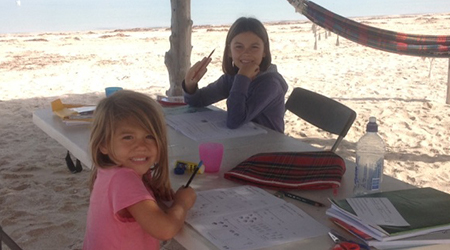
203	64
193	174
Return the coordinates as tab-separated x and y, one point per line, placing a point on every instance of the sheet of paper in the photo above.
249	218
185	109
84	109
76	122
379	211
209	125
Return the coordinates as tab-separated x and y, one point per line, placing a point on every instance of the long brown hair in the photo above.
241	25
143	110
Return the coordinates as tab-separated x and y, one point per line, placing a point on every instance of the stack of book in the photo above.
426	210
73	114
169	101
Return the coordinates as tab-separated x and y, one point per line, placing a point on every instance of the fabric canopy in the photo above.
390	41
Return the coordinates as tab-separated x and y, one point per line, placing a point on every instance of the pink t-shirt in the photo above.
114	190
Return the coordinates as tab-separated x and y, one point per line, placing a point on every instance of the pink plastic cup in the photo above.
211	154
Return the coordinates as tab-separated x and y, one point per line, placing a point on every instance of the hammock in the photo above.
400	43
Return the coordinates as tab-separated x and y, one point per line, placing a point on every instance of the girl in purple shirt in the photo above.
253	88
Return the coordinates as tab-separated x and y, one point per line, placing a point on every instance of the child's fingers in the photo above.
192	71
200	69
249	70
208	61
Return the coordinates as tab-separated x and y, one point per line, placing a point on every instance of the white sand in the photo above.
43	205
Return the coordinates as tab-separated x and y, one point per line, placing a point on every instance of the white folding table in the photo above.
76	139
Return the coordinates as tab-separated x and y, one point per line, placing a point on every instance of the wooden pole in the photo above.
178	58
448	83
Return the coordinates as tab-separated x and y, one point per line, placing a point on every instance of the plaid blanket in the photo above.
390	41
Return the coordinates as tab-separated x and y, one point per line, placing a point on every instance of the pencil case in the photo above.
290	170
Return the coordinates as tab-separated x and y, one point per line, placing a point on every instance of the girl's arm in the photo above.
210	94
163	192
246	101
163	225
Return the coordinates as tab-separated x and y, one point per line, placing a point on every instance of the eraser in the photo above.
179	171
188	166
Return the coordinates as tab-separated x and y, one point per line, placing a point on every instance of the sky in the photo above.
79	15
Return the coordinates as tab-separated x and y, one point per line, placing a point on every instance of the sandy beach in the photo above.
44	206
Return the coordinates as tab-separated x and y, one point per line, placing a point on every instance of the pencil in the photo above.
193	174
204	63
302	199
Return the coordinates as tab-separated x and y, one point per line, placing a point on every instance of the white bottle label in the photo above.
368	175
376	175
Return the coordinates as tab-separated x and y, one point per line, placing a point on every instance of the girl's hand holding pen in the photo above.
196	72
185	197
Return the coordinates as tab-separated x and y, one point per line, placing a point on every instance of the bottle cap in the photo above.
372	126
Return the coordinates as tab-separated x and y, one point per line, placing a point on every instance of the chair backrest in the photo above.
322	112
8	241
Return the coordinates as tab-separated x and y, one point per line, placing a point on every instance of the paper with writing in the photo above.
247	217
208	125
378	211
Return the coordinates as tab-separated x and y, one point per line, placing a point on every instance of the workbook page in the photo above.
247	217
208	125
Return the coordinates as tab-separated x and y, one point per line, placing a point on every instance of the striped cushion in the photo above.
290	170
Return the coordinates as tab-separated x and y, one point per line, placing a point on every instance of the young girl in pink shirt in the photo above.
130	176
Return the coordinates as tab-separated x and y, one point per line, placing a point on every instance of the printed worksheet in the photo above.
208	125
248	217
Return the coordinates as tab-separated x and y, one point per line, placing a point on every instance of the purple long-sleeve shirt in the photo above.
260	101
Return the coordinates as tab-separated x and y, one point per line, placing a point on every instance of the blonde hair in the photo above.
142	110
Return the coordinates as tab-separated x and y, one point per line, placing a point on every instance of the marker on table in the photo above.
193	174
203	64
299	198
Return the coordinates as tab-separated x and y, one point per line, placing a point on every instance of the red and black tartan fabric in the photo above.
290	170
390	41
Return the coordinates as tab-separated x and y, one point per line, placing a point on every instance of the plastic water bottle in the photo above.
369	160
